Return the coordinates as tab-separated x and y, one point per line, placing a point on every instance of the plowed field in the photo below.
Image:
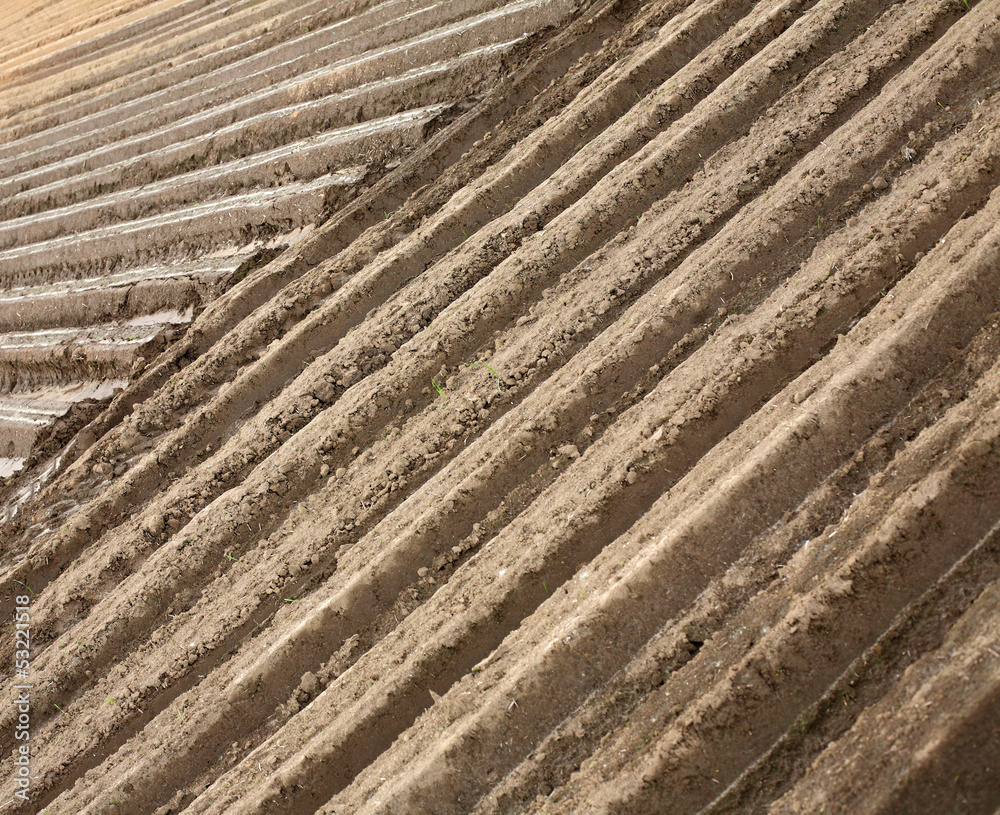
545	406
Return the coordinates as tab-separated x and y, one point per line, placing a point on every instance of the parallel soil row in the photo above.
618	432
168	154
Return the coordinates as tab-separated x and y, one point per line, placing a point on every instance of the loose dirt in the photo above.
545	407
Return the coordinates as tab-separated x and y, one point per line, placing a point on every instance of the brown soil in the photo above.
548	407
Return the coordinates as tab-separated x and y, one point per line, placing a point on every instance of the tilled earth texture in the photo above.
542	406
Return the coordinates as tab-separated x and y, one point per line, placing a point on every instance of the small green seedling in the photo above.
489	368
58	708
440	392
25	586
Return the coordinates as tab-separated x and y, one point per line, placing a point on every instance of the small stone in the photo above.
800	396
153	526
631	477
879	183
309	684
422	571
979	447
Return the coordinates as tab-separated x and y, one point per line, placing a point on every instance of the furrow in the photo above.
921	734
219	37
203	225
185	144
348	442
553	406
918	629
267	91
302	646
867	588
63	304
350	223
289	55
323	322
297	160
773	468
177	57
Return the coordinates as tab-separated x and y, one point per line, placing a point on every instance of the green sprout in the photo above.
489	368
440	392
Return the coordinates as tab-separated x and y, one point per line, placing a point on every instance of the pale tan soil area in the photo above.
551	406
